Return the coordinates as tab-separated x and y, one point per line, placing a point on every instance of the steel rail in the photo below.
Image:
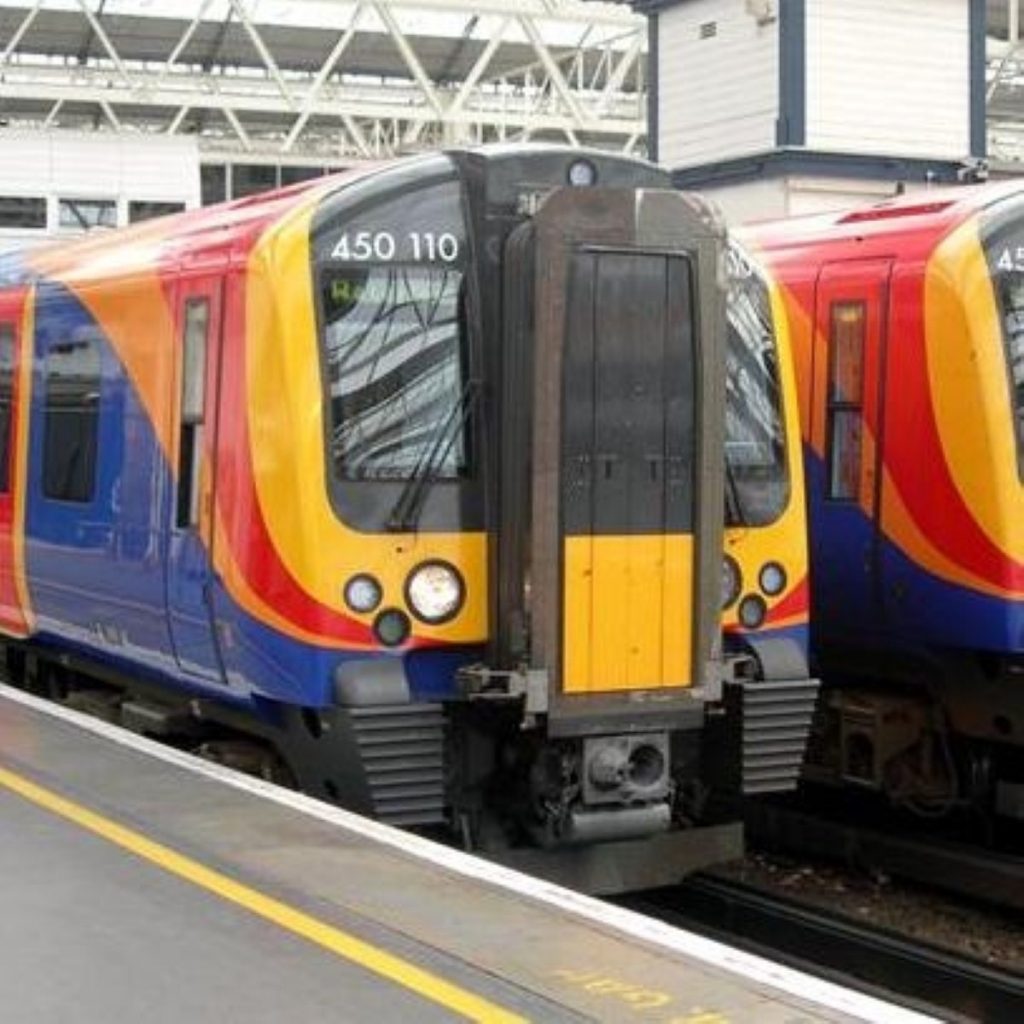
956	867
845	950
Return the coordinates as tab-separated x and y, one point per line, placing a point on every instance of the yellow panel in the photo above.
628	613
577	571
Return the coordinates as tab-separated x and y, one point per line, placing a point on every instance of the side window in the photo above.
71	420
87	213
6	393
23	212
141	209
193	399
845	398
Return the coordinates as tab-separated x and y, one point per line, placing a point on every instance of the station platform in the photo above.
140	883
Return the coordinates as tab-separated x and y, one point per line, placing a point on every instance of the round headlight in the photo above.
363	593
752	611
582	173
732	582
434	592
391	627
772	579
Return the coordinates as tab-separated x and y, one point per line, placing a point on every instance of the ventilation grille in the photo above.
776	724
402	752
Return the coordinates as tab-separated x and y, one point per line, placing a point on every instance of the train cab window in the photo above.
71	420
755	442
394	336
845	399
1002	236
6	393
193	399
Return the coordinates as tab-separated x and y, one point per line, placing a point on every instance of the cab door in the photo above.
190	573
628	465
848	429
613	445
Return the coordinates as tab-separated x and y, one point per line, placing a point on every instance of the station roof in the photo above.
327	76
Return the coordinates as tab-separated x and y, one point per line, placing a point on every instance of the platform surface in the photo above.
138	883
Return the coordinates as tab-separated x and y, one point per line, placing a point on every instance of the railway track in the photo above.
847	951
992	877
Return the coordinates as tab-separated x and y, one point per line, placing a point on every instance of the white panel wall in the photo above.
69	165
750	201
774	198
718	96
889	76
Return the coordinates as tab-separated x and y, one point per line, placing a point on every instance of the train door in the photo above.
191	534
628	461
617	344
848	430
12	616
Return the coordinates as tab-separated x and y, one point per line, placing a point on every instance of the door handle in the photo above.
607	461
653	463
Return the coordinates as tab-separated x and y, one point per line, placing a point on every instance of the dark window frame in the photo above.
71	202
192	408
841	407
33	209
758	495
153	208
68	489
366	505
1001	229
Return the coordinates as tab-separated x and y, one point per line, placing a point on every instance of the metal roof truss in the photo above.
328	80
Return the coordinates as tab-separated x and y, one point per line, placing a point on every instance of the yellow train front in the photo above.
414	476
523	360
765	594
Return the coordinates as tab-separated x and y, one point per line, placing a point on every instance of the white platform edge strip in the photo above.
754	968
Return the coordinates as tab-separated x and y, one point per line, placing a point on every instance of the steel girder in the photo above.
328	80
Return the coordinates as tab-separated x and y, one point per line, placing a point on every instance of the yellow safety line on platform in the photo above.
393	968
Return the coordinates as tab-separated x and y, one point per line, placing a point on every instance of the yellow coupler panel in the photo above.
627	614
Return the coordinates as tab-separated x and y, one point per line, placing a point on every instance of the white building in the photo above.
785	107
64	183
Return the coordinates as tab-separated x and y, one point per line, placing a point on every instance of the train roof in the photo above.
221	231
224	228
933	212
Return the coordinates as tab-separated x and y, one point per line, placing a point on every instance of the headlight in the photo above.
391	627
434	592
582	173
363	593
772	579
732	582
752	611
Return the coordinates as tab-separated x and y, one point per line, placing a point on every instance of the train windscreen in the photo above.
757	478
395	365
1002	236
394	339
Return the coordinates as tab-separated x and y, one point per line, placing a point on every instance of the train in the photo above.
407	487
907	329
765	573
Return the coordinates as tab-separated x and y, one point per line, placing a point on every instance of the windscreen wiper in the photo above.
734	515
406	512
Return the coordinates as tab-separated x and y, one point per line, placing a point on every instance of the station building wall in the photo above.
782	107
